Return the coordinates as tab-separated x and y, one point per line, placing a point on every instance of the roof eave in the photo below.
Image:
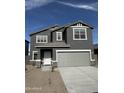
44	29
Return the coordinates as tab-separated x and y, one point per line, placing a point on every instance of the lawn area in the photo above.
38	81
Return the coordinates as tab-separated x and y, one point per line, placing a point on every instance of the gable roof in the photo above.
60	27
71	24
48	28
79	21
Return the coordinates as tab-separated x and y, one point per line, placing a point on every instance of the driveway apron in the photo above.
80	79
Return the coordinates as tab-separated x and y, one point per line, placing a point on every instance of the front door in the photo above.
47	58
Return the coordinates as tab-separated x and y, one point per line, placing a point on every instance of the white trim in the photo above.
33	54
36	60
42	36
79	28
89	50
80	25
60	36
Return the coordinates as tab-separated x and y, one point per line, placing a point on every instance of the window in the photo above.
34	55
41	39
59	36
79	34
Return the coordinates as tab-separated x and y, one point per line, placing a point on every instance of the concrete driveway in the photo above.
80	79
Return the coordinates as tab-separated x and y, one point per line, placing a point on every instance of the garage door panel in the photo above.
73	59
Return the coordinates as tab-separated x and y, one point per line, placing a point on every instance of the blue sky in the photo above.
40	14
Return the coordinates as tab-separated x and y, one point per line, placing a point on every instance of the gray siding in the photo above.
54	35
75	44
33	41
26	47
67	38
79	44
33	37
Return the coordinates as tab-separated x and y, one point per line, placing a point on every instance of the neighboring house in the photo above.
96	54
26	51
96	49
69	45
26	47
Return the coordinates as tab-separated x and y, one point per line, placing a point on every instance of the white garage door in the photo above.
73	59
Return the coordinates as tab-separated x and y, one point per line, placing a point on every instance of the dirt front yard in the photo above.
38	81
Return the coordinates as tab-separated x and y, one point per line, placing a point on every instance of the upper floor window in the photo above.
79	34
59	36
41	39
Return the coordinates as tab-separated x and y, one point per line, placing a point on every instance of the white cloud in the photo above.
30	4
92	6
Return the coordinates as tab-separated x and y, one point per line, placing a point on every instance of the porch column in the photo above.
54	54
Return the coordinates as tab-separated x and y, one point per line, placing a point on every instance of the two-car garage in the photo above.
71	58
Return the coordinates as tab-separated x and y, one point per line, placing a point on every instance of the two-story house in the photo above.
68	45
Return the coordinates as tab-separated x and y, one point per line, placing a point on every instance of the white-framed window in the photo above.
41	39
59	36
79	34
34	55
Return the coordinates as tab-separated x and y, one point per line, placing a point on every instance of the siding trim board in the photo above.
84	50
52	46
79	26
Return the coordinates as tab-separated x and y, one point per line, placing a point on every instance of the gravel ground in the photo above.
38	81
